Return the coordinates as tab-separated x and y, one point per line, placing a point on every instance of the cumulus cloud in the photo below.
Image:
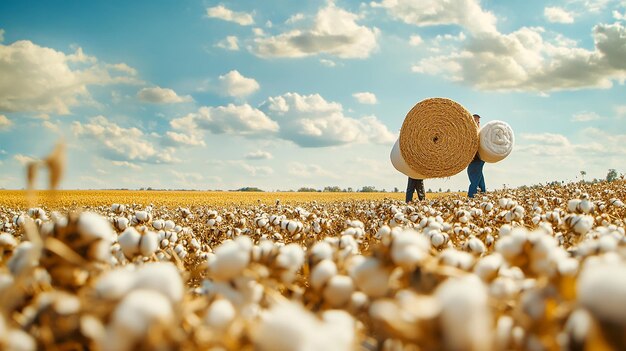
223	13
525	60
5	122
187	179
585	117
230	119
619	16
121	144
254	170
1	35
328	63
158	95
41	79
311	121
236	85
620	111
466	13
558	15
229	43
190	139
258	155
415	40
54	127
23	159
126	164
334	31
365	98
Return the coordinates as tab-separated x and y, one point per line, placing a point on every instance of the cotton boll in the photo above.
458	259
290	258
220	314
162	277
358	300
18	340
131	320
504	331
129	242
505	230
465	318
476	245
338	290
114	284
7	241
121	223
409	248
383	232
148	243
231	258
370	277
504	288
169	225
348	245
601	288
568	267
487	267
438	239
24	257
607	243
142	216
322	272
158	224
180	251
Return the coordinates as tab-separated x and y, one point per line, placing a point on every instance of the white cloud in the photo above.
466	13
190	138
254	170
5	122
40	79
365	98
158	95
229	43
295	18
23	159
126	164
415	40
311	121
233	119
54	127
558	15
619	16
187	179
309	171
525	61
593	6
328	63
121	144
223	13
234	84
1	35
585	117
259	155
548	139
334	32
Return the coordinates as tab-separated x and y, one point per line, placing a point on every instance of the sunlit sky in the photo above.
289	94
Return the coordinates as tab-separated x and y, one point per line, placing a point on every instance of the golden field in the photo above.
68	198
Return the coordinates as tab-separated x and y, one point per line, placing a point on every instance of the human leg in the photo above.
421	194
410	188
474	177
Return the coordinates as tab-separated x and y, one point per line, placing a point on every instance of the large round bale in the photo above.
496	141
438	138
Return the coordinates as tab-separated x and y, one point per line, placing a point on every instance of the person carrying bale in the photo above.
413	185
475	170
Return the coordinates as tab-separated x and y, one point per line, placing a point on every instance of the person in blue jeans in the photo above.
413	185
475	170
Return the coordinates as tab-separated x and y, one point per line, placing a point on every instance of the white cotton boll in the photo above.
338	290
586	206
129	242
131	320
572	205
178	229
583	224
488	266
437	239
162	277
19	220
23	257
348	245
231	258
121	223
601	288
505	230
358	300
465	317
18	340
322	272
7	241
169	225
504	288
370	277
142	216
476	245
455	258
607	243
504	331
542	243
578	325
409	248
616	202
220	314
180	251
568	267
158	224
112	285
291	258
148	244
383	232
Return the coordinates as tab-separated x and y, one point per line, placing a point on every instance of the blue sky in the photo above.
284	94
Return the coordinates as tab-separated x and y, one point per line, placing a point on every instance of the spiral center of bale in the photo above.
438	138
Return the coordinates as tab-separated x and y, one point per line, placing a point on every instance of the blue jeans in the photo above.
413	185
477	180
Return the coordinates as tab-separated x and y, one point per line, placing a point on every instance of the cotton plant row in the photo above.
523	269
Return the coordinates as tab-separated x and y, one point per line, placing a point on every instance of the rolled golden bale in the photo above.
438	138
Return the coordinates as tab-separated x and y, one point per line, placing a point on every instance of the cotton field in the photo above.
533	269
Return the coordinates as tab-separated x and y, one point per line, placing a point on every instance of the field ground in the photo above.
64	198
